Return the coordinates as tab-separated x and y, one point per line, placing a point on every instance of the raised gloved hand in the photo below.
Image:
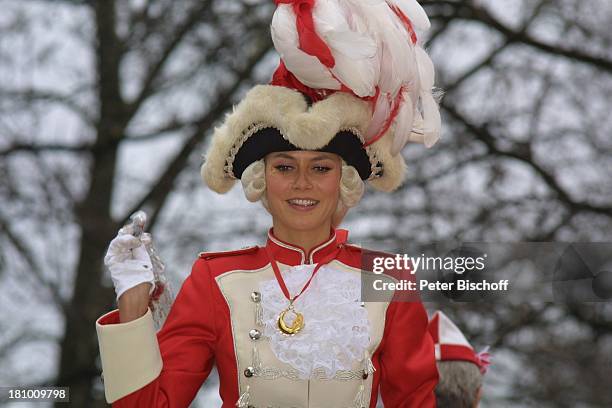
128	262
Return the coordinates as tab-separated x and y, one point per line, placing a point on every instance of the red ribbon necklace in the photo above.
297	323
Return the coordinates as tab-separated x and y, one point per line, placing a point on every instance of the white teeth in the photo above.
303	202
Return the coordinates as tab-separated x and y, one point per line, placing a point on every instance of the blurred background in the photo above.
107	106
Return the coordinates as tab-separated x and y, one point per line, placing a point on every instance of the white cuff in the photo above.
130	354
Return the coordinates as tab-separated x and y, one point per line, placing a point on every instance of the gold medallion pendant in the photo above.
295	326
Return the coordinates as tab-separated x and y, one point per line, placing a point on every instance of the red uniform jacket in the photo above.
204	328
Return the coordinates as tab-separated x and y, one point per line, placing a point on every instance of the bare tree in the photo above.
525	157
105	106
142	56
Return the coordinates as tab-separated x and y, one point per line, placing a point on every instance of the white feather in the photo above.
397	63
417	135
395	56
426	69
307	68
432	122
416	138
399	141
403	125
371	48
360	76
356	65
329	17
413	10
379	116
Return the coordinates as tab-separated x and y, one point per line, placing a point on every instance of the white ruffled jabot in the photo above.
336	332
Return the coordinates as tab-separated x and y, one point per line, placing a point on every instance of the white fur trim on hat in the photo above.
309	128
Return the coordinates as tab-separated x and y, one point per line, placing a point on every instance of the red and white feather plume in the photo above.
368	48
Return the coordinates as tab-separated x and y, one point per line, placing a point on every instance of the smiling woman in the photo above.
302	194
340	180
285	323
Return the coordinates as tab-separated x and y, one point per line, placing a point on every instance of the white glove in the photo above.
129	263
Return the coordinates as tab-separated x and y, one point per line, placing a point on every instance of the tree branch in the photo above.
38	148
498	50
157	195
155	68
483	134
470	11
34	95
29	258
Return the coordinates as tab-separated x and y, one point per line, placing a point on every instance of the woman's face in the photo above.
303	188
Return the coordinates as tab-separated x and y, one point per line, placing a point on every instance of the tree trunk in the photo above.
79	348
